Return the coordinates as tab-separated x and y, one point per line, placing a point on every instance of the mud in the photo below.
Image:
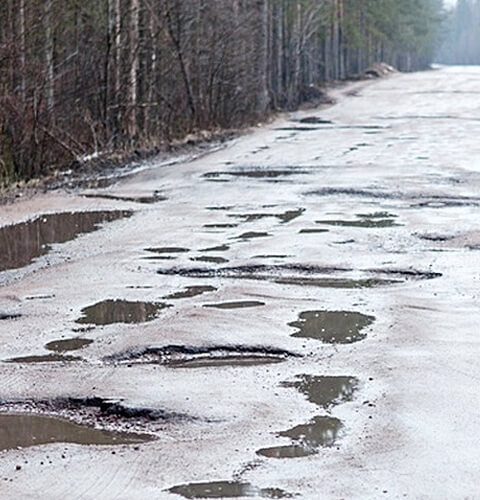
325	391
308	438
227	489
66	345
23	431
21	243
332	327
112	311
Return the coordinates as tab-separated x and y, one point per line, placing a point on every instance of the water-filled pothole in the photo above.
167	250
256	173
308	438
219	248
285	217
147	199
45	358
190	291
120	311
227	361
252	234
21	431
227	489
313	231
7	316
210	259
325	391
236	305
374	220
21	243
337	282
332	327
68	345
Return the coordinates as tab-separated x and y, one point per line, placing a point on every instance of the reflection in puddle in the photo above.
21	243
227	489
236	305
332	327
120	311
213	260
68	345
20	431
45	358
320	432
230	361
191	291
325	391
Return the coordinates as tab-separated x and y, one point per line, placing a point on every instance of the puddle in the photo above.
236	305
297	129
108	312
220	226
230	361
154	198
271	256
315	120
367	221
68	345
337	282
45	358
332	327
220	248
167	250
213	260
191	291
7	316
21	431
285	217
220	207
325	391
227	489
308	438
252	234
256	173
313	231
21	243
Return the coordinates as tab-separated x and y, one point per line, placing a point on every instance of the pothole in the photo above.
227	489
374	220
6	316
325	391
22	431
109	312
45	358
21	243
252	234
313	231
202	356
219	248
307	439
210	259
167	250
332	327
256	173
241	304
191	291
284	217
148	199
66	345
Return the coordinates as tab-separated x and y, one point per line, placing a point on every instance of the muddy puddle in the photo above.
227	489
21	431
191	291
337	282
332	327
210	259
21	243
307	438
149	199
325	391
45	358
241	304
167	250
315	120
255	173
109	312
220	248
220	226
313	231
67	345
252	234
285	217
374	220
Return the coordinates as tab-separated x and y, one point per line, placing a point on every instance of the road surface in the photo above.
296	313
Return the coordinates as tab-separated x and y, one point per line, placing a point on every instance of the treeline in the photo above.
84	76
462	43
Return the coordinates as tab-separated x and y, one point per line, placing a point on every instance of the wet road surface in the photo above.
295	314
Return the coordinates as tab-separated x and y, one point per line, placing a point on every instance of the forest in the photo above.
89	77
462	43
